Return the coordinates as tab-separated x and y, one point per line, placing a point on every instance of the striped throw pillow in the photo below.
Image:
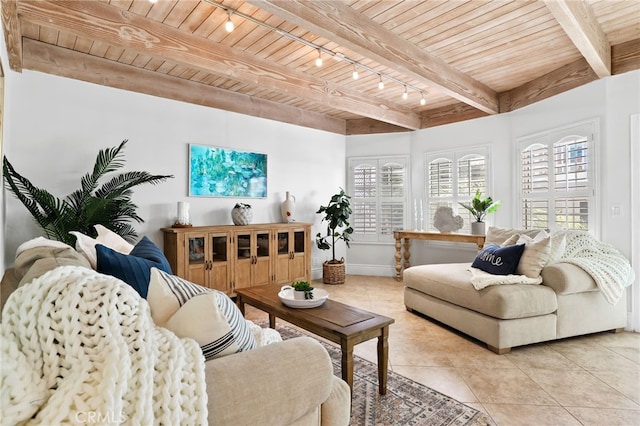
208	316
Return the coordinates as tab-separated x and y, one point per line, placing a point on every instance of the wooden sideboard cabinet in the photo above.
229	257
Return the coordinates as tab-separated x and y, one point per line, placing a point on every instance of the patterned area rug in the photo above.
406	402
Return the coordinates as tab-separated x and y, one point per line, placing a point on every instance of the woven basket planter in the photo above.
333	273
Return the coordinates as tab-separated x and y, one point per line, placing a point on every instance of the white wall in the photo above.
612	101
56	126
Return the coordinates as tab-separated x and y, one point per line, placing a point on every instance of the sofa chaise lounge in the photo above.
567	303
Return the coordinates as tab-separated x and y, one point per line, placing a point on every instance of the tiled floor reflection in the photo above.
589	380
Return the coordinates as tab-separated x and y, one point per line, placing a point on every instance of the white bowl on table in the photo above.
287	297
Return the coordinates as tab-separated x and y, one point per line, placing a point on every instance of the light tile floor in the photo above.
588	380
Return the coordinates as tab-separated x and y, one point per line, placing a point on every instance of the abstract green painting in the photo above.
223	172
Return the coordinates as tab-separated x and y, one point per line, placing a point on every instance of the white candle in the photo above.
183	213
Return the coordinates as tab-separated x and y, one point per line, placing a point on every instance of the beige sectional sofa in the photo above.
567	303
266	385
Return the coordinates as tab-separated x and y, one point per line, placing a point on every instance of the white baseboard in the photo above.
373	270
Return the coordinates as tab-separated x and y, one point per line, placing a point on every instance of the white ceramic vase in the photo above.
288	208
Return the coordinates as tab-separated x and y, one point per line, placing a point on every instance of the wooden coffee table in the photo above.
335	321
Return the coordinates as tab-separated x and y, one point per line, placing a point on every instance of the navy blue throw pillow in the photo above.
498	260
133	268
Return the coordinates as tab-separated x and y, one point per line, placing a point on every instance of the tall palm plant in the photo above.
109	204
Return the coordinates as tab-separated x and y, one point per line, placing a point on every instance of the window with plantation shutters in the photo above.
453	177
378	187
556	182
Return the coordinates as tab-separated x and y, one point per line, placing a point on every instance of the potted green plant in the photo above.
302	290
109	205
479	207
336	214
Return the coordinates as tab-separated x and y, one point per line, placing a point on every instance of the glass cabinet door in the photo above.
262	244
196	250
283	242
243	246
298	242
219	244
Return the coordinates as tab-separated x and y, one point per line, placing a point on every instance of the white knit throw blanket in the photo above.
609	268
80	347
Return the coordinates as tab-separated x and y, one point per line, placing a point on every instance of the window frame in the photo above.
455	155
378	161
589	129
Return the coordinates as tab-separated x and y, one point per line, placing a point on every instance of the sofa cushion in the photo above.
133	268
499	260
208	316
566	278
451	282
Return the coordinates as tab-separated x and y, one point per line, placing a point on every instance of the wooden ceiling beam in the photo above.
625	56
12	34
450	114
338	22
68	63
117	27
564	78
579	23
367	126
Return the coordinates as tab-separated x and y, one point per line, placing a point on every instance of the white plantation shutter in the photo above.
472	175
556	179
392	196
364	192
379	193
441	178
452	177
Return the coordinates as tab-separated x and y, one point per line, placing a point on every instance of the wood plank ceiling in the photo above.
465	58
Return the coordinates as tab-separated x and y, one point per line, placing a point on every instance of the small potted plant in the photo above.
336	214
479	208
302	290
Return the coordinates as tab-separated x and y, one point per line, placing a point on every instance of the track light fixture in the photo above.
228	26
338	56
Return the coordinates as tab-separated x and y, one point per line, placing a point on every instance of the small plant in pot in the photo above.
304	287
479	207
336	214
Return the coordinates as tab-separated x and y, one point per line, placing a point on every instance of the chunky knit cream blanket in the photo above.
79	347
610	270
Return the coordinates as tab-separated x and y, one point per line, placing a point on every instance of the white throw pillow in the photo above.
208	316
536	254
497	235
108	238
558	246
86	245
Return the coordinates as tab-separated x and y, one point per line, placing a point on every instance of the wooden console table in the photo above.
407	236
